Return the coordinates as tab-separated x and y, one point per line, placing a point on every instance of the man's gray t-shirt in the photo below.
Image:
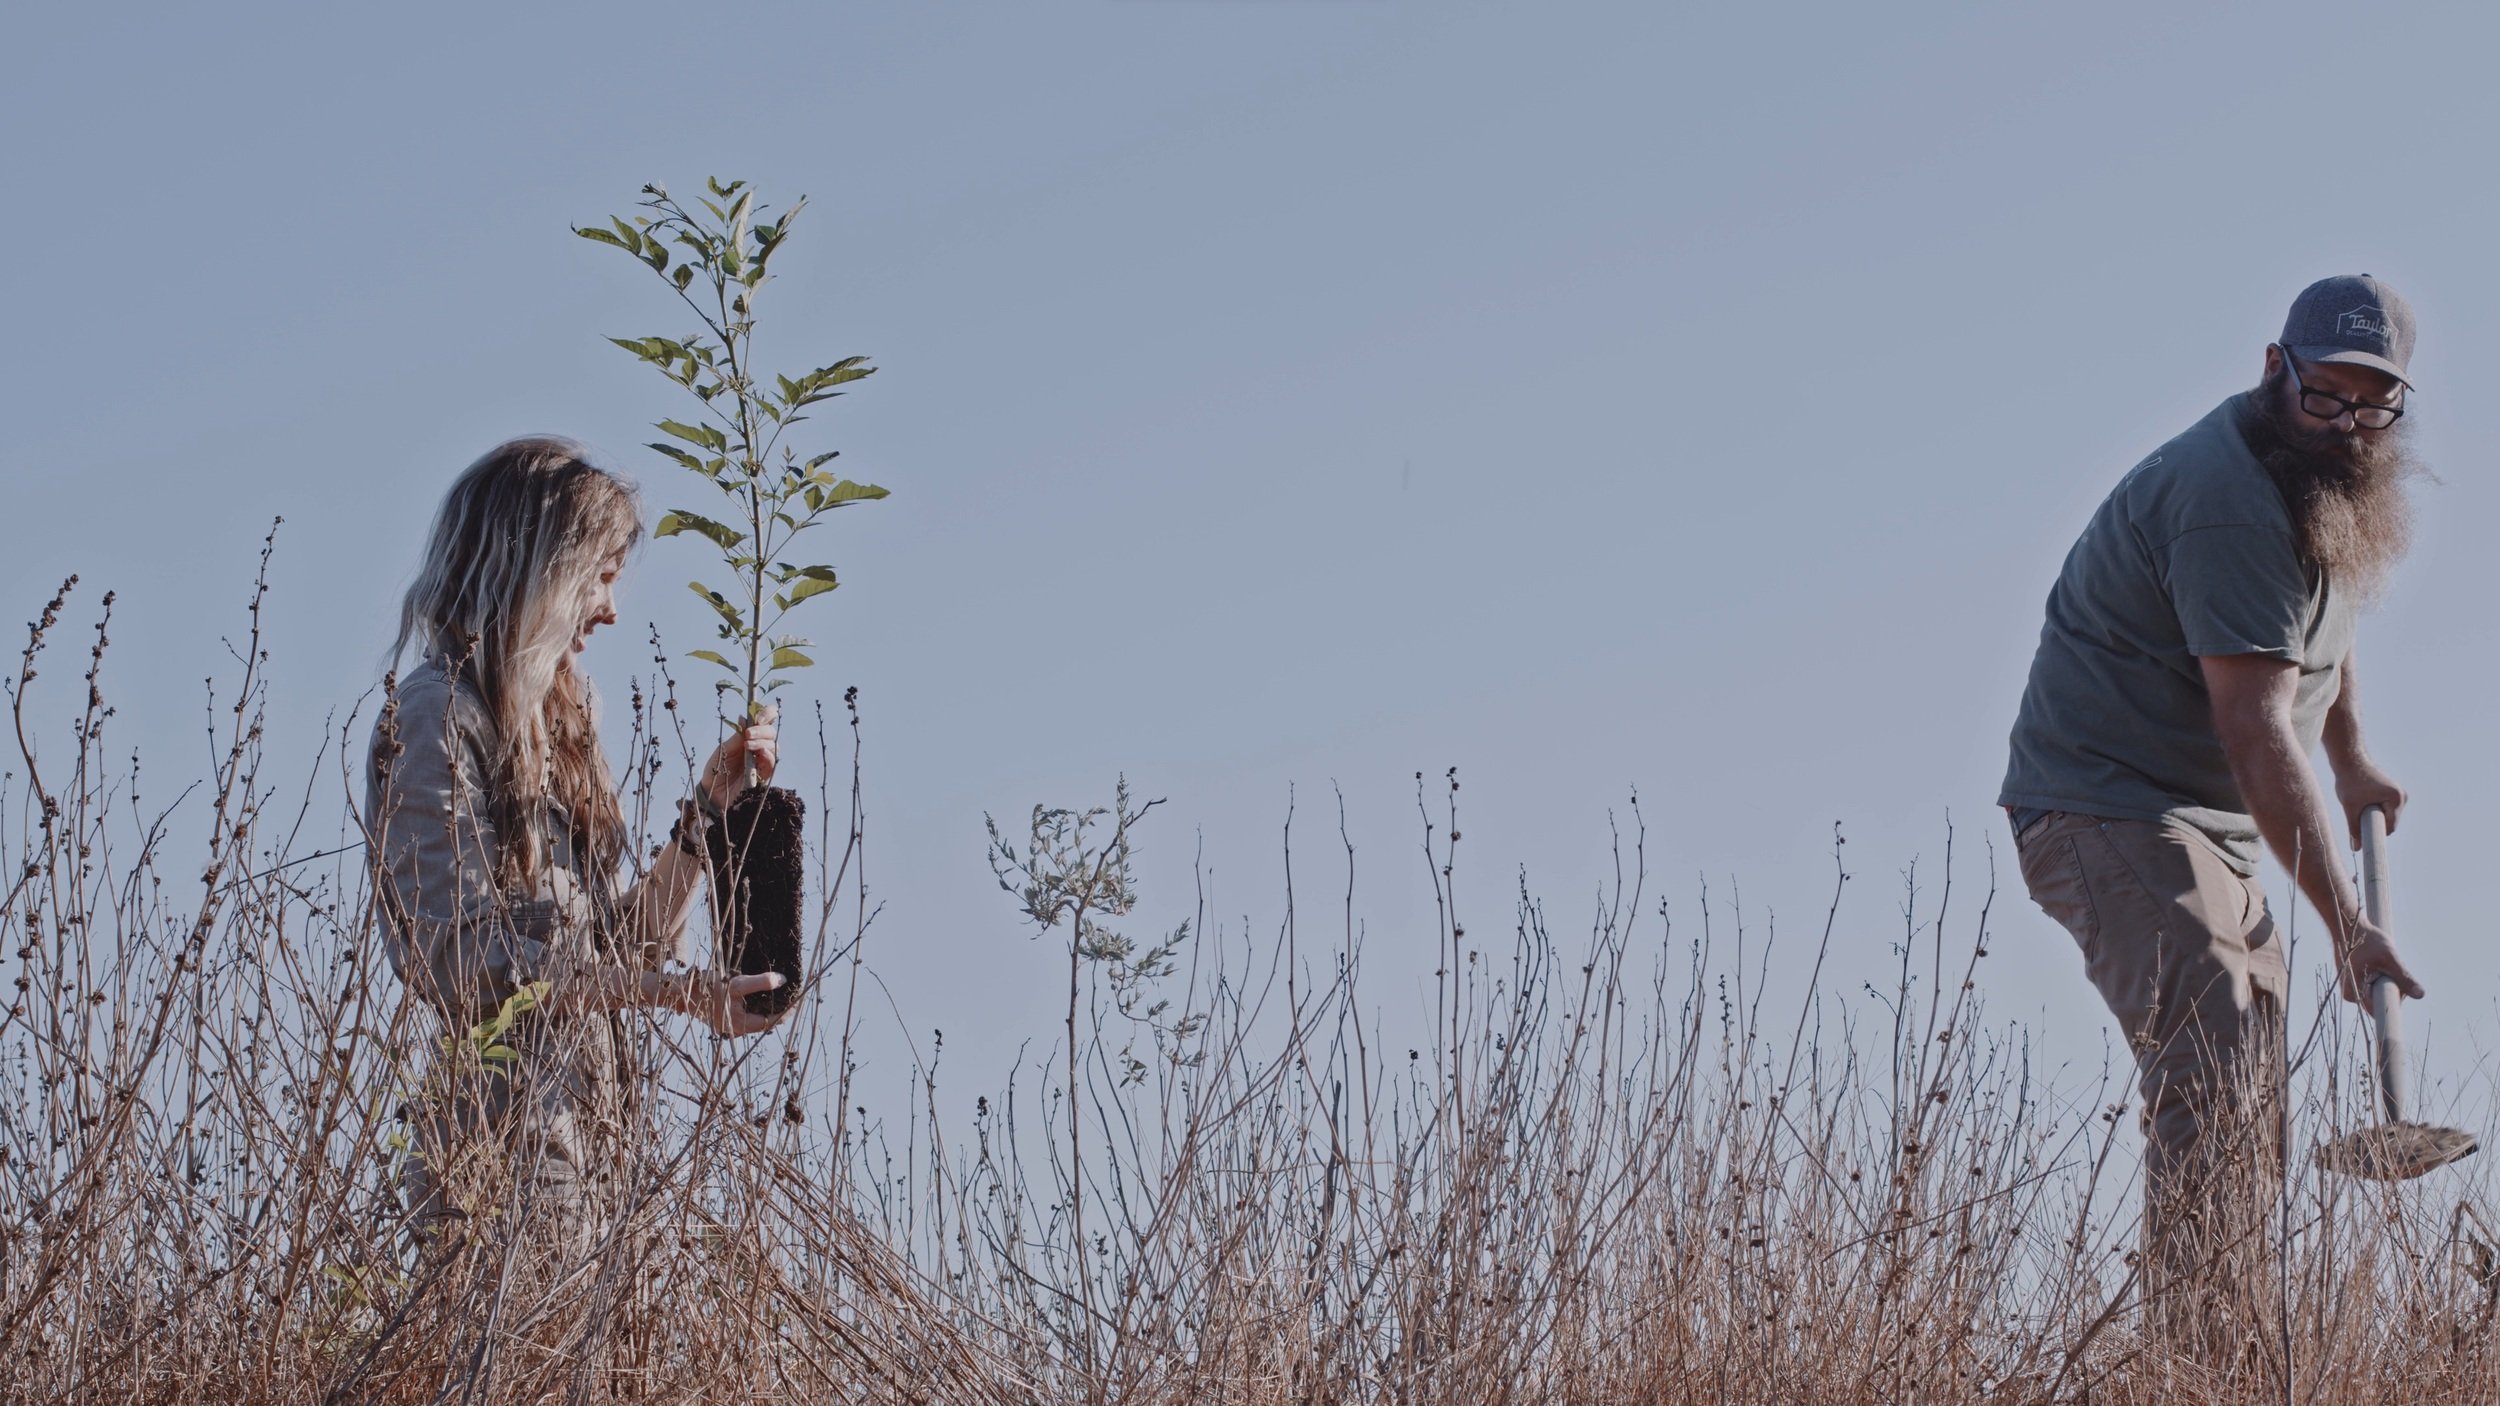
2191	554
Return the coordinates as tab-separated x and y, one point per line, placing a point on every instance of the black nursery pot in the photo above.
756	851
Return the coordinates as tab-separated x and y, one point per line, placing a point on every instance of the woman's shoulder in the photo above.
433	699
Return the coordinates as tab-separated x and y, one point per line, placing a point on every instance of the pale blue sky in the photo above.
1586	395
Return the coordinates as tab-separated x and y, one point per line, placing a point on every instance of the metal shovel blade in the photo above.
2396	1150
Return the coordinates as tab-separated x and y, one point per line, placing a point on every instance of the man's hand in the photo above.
2368	955
2360	785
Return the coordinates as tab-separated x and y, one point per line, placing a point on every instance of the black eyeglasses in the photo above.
2325	406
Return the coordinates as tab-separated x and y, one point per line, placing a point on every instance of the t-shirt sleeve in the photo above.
2238	589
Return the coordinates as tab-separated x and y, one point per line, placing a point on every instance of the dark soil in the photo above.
757	851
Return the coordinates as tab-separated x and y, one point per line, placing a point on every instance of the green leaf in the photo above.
849	492
788	658
704	435
672	523
712	657
719	603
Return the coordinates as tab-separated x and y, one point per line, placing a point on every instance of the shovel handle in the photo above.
2386	1002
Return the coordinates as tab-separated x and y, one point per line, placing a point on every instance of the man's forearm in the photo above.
2289	805
2344	749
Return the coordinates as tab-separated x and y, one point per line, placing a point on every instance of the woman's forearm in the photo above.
656	909
602	987
717	1003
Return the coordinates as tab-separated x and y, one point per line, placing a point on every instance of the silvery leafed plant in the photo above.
715	258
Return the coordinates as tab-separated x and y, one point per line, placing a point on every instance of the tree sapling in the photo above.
715	259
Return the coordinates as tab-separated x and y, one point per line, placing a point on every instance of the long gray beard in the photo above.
2350	510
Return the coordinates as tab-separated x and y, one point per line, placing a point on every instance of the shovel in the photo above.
2395	1150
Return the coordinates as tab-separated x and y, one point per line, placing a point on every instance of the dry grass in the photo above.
1595	1171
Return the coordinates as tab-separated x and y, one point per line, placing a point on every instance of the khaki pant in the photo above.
2182	950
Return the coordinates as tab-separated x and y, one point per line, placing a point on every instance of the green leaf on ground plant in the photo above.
672	523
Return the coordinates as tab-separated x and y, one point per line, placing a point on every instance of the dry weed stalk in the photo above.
1595	1172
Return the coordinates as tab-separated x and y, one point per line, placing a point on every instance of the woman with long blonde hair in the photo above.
501	852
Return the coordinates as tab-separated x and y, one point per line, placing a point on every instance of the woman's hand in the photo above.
725	775
721	1003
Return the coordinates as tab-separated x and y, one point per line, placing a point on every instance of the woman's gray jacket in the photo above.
464	947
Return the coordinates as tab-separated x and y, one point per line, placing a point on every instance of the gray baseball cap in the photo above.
2354	319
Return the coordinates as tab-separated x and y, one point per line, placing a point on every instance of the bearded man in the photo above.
2199	646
